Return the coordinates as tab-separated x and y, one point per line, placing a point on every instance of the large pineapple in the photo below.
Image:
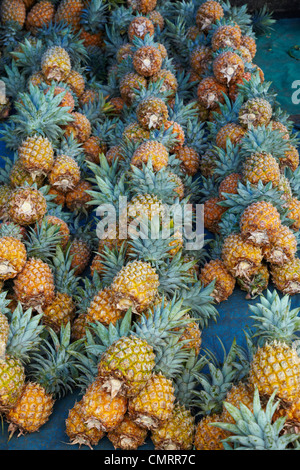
13	254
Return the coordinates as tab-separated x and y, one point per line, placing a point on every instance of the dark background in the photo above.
281	8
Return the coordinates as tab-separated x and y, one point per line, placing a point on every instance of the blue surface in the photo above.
233	318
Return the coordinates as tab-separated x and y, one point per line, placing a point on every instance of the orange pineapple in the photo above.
212	214
215	270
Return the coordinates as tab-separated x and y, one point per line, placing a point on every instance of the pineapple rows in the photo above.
120	318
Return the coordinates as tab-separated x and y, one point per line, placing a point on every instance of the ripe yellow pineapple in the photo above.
261	167
290	159
80	128
78	431
56	63
250	43
70	11
255	112
259	221
20	176
80	249
212	214
13	11
154	404
229	185
26	206
243	393
226	36
151	149
231	131
228	67
207	14
59	312
209	437
40	15
177	433
93	147
224	281
286	277
100	410
139	27
34	285
127	435
13	257
210	92
152	113
36	154
12	378
65	173
31	411
147	61
76	82
282	247
126	366
128	84
190	160
240	257
102	308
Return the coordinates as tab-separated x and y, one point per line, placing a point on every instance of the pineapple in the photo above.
126	366
228	67
70	11
153	150
135	285
56	64
290	159
36	155
255	112
80	128
135	133
92	147
255	428
26	206
286	277
20	177
152	113
274	367
127	435
224	281
24	337
139	27
207	14
102	308
78	431
51	373
241	393
13	254
64	229
210	93
200	57
208	437
100	410
226	36
13	11
293	206
40	15
240	257
80	250
65	173
178	132
177	433
250	43
190	160
147	61
154	404
212	214
34	285
169	81
256	283
142	6
76	82
233	132
259	221
4	334
282	247
229	185
261	167
77	199
128	84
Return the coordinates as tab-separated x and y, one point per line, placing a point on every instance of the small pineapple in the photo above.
40	15
56	63
282	247
127	435
147	61
224	281
213	212
26	206
286	277
78	431
208	437
65	173
226	36
153	150
102	308
255	112
139	27
261	167
13	254
210	93
228	67
152	113
207	14
259	221
36	154
240	257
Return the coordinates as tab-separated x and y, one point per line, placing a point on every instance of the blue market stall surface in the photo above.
279	58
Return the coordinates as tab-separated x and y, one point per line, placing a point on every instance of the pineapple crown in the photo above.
257	429
255	88
229	113
153	90
237	15
263	21
15	80
94	16
227	160
174	274
25	334
28	56
147	181
97	110
10	229
263	139
62	34
55	365
42	240
112	261
171	359
64	278
86	290
274	319
200	302
36	113
97	339
215	384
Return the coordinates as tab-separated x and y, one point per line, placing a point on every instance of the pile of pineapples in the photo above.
107	103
